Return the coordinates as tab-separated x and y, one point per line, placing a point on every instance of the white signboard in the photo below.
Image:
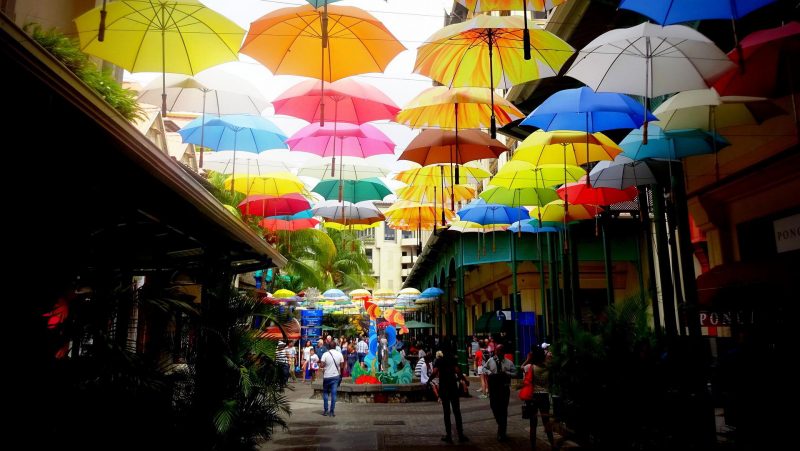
787	233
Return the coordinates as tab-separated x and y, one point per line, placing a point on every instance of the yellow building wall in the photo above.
51	13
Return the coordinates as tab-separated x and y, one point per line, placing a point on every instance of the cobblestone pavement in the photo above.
395	426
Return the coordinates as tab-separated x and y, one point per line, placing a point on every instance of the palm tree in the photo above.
320	259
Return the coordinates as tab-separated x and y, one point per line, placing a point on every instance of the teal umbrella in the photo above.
352	190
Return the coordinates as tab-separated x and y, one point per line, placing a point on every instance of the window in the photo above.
408	234
498	304
389	234
368	252
405	253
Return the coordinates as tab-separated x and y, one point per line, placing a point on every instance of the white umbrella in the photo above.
333	210
706	110
213	91
350	169
253	164
650	60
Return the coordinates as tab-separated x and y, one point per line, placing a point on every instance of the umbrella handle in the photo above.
526	38
101	31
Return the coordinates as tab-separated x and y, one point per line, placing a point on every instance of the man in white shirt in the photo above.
361	348
421	369
332	364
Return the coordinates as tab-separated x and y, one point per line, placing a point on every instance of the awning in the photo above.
489	323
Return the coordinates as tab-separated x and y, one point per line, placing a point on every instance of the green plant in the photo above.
68	51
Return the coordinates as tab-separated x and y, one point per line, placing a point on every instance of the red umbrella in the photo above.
768	56
581	193
345	100
268	205
273	224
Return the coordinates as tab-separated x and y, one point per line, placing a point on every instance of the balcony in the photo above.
406	259
405	272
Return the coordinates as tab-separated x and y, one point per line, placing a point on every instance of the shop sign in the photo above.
726	318
787	233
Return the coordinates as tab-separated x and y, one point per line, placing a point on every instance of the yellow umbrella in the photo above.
559	211
521	174
429	193
383	293
470	227
438	175
407	215
463	54
456	108
275	184
178	36
566	147
338	226
284	294
289	42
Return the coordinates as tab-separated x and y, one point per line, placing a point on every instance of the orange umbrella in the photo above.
456	108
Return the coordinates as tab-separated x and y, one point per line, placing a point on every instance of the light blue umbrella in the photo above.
237	132
672	144
305	214
431	292
334	293
526	226
584	110
484	213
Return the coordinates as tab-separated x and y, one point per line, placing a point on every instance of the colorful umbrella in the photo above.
565	147
259	164
431	292
456	108
275	184
345	100
350	168
352	190
289	225
773	53
579	193
431	194
482	213
462	54
445	146
334	293
360	293
671	145
266	205
622	173
347	212
284	294
669	12
178	36
337	226
527	227
521	174
519	196
475	227
289	41
437	175
706	110
352	140
588	111
238	132
559	211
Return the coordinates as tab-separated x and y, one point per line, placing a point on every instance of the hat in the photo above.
545	345
421	353
281	343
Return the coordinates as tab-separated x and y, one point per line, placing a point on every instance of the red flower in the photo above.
367	379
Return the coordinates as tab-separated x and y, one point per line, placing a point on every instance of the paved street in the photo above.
394	426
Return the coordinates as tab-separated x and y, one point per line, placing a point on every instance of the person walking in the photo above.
447	370
535	393
332	364
499	370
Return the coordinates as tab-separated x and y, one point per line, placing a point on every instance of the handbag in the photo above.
527	407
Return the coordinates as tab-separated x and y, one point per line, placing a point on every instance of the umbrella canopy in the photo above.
347	212
360	293
432	193
649	60
438	175
226	161
566	147
671	145
521	174
463	54
266	205
486	51
676	11
622	173
213	91
526	226
352	190
456	108
349	226
519	196
345	100
178	36
446	146
342	139
289	41
239	132
351	169
289	225
334	293
580	193
559	211
706	110
773	53
407	215
431	292
414	324
476	227
284	294
585	110
275	184
483	213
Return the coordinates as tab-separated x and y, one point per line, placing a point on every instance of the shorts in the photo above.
480	370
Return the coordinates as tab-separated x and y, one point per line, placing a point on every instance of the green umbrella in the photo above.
413	324
370	188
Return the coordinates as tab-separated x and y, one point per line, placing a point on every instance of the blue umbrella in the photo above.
431	292
671	145
485	214
584	110
305	214
676	11
237	132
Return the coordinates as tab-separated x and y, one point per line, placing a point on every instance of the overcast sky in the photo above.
411	21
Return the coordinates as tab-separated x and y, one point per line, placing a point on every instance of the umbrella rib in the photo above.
295	38
608	69
234	53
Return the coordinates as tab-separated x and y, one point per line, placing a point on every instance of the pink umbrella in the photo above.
267	205
346	100
343	138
